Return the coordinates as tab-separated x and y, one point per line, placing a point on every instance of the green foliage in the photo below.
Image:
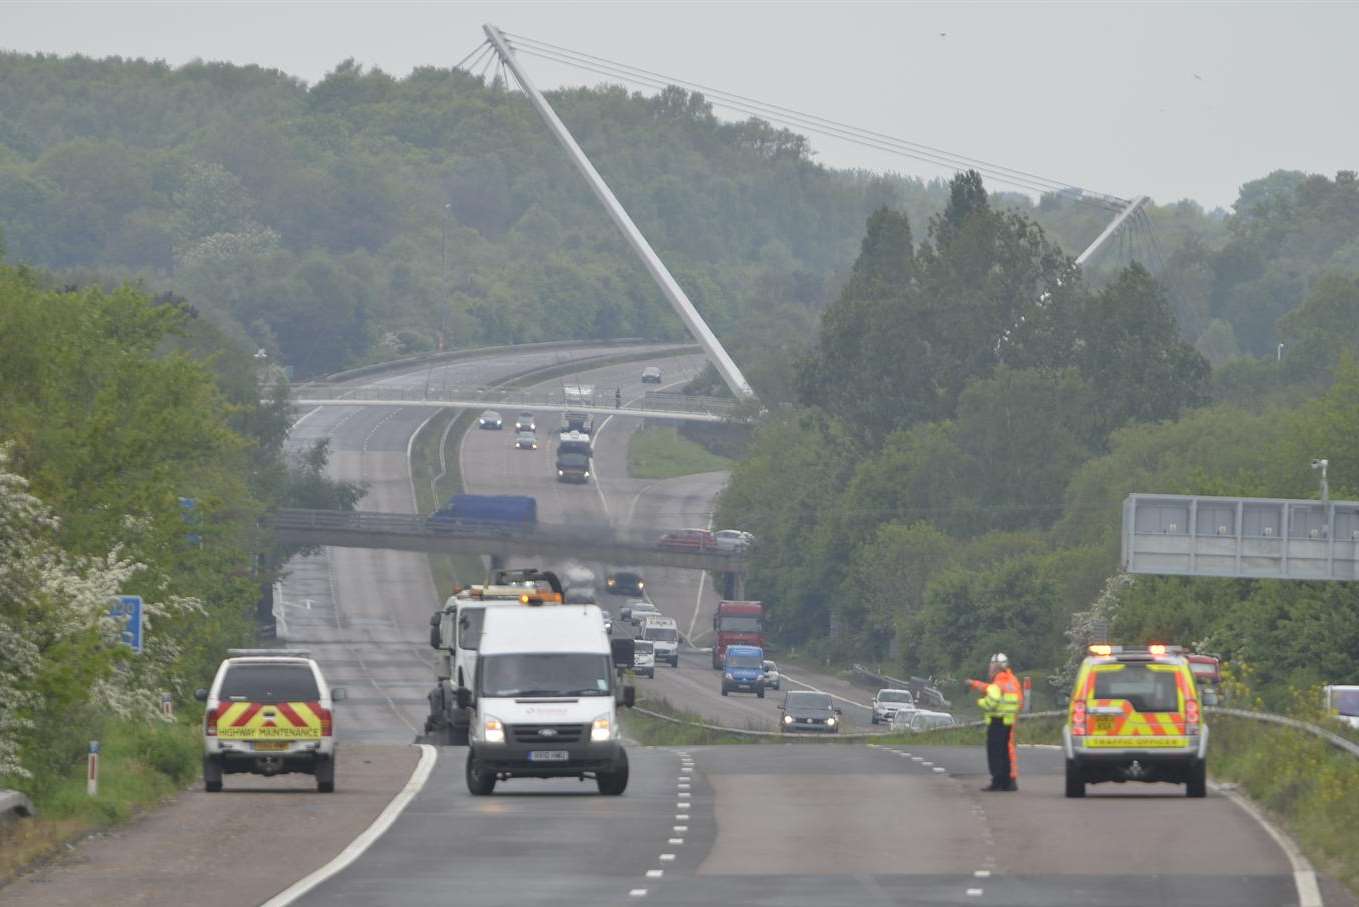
661	453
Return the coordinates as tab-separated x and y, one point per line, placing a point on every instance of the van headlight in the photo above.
602	730
831	721
787	719
493	731
729	676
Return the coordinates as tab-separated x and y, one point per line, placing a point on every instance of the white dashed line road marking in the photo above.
938	769
681	828
655	873
637	893
982	873
667	858
682	817
675	841
974	892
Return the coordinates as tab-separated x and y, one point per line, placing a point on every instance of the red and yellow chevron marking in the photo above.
269	721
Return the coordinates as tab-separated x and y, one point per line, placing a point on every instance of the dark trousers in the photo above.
998	752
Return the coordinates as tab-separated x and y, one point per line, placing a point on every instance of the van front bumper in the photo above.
514	758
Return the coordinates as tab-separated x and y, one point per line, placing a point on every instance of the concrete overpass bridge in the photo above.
416	532
653	405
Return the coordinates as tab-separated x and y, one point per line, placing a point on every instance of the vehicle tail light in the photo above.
1078	718
1191	716
210	721
324	715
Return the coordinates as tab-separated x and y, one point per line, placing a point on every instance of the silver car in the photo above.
921	720
733	539
888	702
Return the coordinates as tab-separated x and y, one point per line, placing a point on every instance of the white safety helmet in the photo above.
1000	658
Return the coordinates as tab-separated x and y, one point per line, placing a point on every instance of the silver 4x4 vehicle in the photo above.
269	712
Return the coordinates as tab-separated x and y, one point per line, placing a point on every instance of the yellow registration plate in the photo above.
271	745
1137	743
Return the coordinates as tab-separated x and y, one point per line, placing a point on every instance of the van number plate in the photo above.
549	756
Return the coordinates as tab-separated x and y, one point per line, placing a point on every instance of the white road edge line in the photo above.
1304	876
428	756
827	692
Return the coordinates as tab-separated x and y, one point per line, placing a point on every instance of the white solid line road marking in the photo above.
1304	876
428	756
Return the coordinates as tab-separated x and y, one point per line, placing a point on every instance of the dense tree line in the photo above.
973	414
135	458
366	215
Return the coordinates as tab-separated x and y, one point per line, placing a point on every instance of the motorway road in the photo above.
364	614
794	825
491	466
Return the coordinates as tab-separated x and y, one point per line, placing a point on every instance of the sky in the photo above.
1171	100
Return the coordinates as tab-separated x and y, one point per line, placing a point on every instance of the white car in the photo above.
733	539
888	702
490	419
921	720
269	712
773	680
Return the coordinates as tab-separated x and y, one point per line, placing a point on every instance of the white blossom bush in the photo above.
50	600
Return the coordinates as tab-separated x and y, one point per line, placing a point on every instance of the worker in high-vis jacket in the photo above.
1002	699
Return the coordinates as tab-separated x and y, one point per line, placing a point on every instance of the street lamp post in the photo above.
443	232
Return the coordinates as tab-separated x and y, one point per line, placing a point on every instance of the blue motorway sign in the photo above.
128	609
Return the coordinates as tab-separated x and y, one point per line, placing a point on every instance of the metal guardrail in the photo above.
1330	737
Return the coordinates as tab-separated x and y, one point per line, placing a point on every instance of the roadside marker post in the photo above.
92	772
167	705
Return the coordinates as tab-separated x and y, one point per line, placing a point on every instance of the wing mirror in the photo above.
780	707
622	650
464	698
625	615
338	694
434	621
629	695
200	694
837	710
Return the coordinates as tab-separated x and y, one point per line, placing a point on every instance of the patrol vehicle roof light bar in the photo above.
273	653
716	353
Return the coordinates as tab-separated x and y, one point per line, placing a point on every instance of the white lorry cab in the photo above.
544	699
663	634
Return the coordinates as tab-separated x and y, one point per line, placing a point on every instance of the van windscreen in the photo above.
1146	688
269	683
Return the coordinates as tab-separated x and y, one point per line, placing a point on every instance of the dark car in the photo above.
651	375
525	422
625	583
807	711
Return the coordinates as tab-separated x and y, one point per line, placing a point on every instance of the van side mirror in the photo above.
625	615
464	698
629	695
622	650
780	707
837	710
338	694
434	622
200	694
1210	697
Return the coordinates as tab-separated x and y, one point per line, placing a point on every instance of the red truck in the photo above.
736	623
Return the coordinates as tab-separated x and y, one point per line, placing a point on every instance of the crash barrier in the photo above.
922	688
14	803
1333	739
750	731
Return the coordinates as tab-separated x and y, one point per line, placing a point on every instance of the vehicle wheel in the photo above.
212	774
724	691
1197	784
611	784
479	782
325	775
759	694
1075	781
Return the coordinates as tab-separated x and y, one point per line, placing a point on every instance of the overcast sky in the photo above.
1172	100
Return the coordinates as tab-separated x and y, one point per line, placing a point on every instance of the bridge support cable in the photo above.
1129	211
670	288
814	123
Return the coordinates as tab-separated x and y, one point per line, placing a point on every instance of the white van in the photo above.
544	699
663	633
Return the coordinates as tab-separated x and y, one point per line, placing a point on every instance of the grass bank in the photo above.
660	452
650	731
1307	785
140	766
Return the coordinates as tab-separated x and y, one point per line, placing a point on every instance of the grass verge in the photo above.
660	452
140	766
1305	784
650	731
